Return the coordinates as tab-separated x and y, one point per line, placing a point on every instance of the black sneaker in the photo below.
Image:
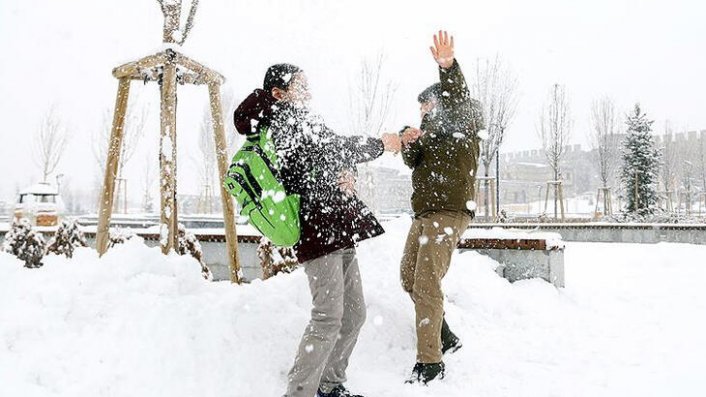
450	343
425	373
339	391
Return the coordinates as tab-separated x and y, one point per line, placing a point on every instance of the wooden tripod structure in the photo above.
666	195
702	200
168	68
607	202
480	193
558	196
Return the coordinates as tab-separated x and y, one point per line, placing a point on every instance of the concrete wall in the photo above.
524	264
650	234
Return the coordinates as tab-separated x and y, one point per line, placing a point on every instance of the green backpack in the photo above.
252	180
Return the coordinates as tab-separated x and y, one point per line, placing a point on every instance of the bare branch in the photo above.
50	144
495	86
371	99
604	138
555	128
207	148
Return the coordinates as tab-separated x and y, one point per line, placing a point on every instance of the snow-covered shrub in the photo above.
119	236
189	244
67	238
657	216
25	243
275	260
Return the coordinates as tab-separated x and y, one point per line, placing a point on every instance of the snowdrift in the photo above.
137	323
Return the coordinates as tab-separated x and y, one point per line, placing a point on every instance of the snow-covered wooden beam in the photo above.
190	64
133	68
147	69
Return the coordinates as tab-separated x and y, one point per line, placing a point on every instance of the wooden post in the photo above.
228	208
167	160
111	168
172	16
608	201
546	198
561	198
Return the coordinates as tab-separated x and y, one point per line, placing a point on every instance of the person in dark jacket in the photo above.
443	155
318	165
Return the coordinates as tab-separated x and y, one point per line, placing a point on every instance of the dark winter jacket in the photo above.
310	158
445	159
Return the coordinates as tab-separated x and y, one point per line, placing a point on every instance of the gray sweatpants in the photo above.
336	319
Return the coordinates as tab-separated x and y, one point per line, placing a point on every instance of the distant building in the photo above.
524	174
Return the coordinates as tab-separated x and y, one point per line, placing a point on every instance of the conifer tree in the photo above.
640	164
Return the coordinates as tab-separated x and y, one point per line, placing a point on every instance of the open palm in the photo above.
443	49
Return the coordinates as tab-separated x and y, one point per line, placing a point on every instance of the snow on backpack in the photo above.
252	179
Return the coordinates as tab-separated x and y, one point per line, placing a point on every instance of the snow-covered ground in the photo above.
631	322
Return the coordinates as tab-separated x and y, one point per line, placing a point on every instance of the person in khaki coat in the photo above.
443	155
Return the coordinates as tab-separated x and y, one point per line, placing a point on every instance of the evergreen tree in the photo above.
640	164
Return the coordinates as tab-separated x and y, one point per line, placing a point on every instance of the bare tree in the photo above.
700	165
555	131
229	103
371	98
49	144
670	166
148	182
370	102
173	33
605	138
207	162
135	121
495	86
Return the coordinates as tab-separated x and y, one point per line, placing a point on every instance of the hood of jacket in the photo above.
253	112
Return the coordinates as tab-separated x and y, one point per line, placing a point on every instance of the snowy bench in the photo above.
521	254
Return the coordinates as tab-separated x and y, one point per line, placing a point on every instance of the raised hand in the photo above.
443	49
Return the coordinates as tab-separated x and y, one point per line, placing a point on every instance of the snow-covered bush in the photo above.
189	244
119	236
275	260
67	238
25	243
657	216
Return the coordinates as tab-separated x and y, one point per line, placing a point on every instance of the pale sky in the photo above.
61	53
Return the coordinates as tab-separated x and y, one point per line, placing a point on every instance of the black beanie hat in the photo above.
279	76
433	91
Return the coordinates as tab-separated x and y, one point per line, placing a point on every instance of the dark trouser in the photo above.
336	319
431	241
